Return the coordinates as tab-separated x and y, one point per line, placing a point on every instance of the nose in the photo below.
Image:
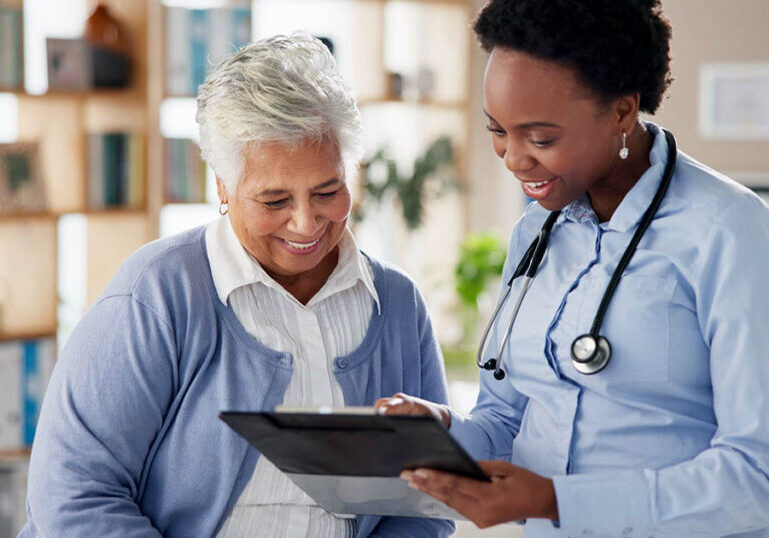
517	159
304	220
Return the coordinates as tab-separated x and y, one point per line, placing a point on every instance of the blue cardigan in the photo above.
129	442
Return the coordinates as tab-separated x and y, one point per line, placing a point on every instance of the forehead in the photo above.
289	166
521	87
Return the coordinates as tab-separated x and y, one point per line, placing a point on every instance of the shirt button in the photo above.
341	363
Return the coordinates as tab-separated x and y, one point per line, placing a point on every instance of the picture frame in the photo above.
22	189
733	103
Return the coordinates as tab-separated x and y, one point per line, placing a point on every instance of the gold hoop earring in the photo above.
223	208
624	151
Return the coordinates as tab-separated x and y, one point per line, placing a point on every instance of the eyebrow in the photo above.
277	192
528	125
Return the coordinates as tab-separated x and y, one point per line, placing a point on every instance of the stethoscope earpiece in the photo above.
590	354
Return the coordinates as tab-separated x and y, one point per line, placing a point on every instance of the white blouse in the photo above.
333	323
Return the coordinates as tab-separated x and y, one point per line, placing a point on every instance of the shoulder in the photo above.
167	265
709	194
389	278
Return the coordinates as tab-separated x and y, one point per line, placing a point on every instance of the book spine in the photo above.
10	47
136	163
10	396
198	53
178	66
241	26
95	171
38	359
220	44
121	168
193	169
110	170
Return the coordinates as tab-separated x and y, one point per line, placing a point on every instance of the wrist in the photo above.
547	506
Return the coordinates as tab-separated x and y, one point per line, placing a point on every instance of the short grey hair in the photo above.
282	89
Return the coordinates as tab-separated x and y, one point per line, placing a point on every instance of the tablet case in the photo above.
350	463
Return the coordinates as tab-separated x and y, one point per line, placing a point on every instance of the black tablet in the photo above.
352	444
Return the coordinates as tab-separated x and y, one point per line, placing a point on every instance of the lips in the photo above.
301	248
538	189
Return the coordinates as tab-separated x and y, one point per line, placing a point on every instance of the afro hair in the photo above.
617	47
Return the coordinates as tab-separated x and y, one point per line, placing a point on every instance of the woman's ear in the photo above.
626	110
221	190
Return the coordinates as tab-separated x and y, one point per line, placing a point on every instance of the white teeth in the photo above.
302	246
538	184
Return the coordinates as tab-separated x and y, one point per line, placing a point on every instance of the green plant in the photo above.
436	163
481	258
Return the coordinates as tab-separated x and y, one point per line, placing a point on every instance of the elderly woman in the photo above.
271	304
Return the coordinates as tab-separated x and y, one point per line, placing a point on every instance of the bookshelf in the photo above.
61	123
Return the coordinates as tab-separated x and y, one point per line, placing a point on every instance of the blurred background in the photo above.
98	155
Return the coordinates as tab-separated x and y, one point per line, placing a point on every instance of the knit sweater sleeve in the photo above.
104	406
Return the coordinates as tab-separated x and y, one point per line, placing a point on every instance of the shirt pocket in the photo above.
637	326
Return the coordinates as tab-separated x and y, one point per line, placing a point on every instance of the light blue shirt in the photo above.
672	438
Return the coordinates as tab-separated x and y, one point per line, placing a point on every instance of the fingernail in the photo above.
421	474
412	485
406	475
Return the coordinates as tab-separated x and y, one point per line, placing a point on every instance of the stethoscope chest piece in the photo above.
590	354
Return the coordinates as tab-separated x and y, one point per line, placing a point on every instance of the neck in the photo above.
304	286
607	194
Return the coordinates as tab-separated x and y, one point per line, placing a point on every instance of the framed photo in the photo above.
733	101
22	189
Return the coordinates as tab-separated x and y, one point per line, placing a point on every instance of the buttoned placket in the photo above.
571	390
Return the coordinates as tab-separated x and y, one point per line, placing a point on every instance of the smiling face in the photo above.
557	138
290	211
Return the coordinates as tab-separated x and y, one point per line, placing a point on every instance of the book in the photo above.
25	368
11	47
185	172
197	40
116	170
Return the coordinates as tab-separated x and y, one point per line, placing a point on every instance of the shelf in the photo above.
53	215
446	105
33	335
73	94
36	215
15	455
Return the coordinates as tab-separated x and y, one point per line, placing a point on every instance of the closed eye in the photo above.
277	204
543	143
326	195
495	130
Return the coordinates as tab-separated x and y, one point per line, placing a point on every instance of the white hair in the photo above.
283	89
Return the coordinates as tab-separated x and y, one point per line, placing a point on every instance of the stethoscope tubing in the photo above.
531	261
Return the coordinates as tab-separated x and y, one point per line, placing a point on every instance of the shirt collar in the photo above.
638	198
233	267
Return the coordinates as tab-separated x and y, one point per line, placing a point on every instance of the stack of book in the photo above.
11	48
115	170
197	40
25	367
185	172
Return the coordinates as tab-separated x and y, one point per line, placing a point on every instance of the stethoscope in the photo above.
590	352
